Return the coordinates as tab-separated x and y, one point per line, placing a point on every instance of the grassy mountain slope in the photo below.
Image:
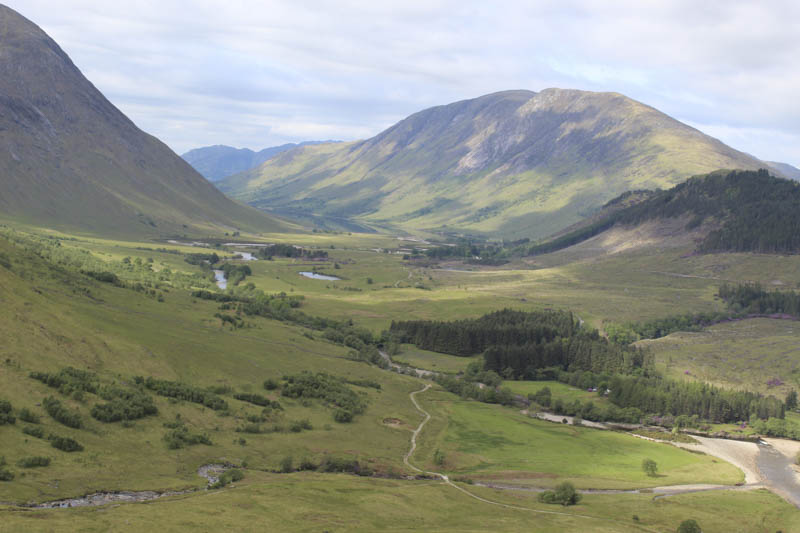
514	163
219	161
70	159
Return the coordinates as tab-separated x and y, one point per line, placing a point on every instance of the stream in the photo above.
211	472
776	469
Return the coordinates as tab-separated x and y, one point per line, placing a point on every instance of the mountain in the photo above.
785	169
511	164
70	159
219	161
724	211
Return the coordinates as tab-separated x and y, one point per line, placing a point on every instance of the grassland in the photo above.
558	390
744	354
493	443
335	503
54	317
427	360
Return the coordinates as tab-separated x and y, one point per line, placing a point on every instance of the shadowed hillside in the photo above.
70	159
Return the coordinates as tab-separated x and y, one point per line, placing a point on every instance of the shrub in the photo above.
124	405
299	425
228	476
182	391
342	416
564	494
65	444
5	474
329	389
180	438
5	413
307	464
33	462
689	526
270	384
438	457
68	380
61	414
257	399
286	465
26	415
33	432
339	464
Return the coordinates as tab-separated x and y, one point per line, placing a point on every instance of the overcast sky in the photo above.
253	73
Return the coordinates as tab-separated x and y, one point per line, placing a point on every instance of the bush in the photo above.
649	467
65	444
61	414
124	405
26	415
329	389
689	526
257	399
5	474
182	391
564	494
33	432
286	465
5	413
68	380
180	438
342	416
228	476
33	462
299	425
270	384
339	464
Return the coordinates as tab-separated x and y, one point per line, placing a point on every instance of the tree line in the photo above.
289	250
473	336
664	396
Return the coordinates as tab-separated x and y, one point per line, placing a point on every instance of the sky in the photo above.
253	74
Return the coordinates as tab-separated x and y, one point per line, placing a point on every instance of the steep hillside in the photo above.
734	211
219	161
514	164
70	159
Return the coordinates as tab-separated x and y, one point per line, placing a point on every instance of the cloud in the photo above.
254	73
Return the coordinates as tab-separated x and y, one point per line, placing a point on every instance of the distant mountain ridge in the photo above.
220	161
785	169
511	164
70	159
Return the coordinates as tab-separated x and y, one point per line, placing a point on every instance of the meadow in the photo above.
55	317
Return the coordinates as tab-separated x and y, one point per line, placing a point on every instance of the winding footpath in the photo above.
447	481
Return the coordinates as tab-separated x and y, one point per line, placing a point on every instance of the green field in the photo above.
427	360
55	317
338	503
558	390
493	443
